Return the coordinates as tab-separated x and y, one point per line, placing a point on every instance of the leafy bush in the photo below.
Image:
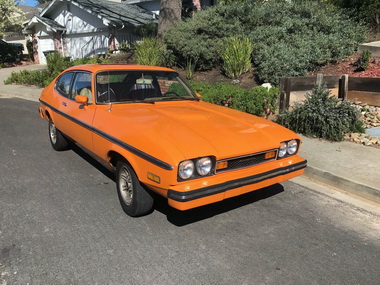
258	101
290	38
56	63
322	116
362	10
237	56
39	78
201	38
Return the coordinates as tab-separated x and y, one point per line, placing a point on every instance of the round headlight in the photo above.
282	150
292	146
204	166
186	169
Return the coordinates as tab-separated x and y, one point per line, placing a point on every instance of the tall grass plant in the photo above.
237	56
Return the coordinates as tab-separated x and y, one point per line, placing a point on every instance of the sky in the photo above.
28	3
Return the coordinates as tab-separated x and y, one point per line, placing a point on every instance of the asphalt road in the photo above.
61	223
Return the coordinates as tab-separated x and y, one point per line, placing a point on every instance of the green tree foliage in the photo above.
289	38
11	17
322	116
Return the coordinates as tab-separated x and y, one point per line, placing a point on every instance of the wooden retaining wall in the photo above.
347	88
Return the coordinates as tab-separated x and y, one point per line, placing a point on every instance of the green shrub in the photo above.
149	52
56	63
289	38
202	36
363	61
257	101
39	78
237	56
322	116
124	46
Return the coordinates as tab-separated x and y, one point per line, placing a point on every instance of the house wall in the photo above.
85	34
85	45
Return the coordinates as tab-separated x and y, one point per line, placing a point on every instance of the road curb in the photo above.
25	97
365	191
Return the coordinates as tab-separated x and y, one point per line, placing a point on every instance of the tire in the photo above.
134	199
57	140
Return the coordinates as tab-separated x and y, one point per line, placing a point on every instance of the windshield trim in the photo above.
191	96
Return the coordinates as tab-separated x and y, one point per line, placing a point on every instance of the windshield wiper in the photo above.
179	98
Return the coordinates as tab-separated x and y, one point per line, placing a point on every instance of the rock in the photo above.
355	135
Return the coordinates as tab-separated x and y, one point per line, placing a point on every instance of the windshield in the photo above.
129	86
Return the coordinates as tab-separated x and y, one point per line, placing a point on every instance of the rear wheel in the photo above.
134	199
57	140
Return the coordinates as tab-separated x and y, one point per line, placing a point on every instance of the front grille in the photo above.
247	161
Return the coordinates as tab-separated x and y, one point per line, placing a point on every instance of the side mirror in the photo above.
81	99
198	95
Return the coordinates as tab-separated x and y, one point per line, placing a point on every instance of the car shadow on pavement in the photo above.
183	218
88	158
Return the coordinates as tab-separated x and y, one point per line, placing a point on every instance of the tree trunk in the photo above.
170	14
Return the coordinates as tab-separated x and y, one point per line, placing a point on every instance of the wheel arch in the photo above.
47	115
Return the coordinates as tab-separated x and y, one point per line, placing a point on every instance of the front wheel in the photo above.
134	199
57	140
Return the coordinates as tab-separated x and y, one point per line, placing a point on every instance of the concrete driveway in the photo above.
26	92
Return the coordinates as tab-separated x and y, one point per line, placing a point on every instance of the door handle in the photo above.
64	104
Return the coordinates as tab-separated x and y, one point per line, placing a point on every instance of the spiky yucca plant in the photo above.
237	56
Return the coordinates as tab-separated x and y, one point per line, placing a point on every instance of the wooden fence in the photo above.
368	88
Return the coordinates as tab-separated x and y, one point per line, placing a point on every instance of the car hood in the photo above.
196	129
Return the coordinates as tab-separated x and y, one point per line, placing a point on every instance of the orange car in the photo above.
148	126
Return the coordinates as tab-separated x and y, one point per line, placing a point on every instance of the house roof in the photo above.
117	14
53	25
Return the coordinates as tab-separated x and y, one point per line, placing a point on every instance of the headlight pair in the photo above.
199	167
288	148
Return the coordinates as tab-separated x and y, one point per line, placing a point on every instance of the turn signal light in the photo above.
221	165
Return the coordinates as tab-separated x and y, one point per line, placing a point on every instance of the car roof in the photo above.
103	67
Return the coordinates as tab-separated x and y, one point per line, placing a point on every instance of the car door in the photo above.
76	118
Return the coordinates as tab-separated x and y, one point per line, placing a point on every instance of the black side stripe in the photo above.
114	140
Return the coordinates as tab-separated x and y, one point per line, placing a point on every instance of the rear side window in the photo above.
63	84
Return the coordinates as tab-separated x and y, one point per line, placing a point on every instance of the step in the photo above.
373	47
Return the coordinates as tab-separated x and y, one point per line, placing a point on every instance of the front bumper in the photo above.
184	200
